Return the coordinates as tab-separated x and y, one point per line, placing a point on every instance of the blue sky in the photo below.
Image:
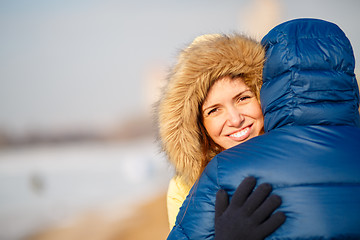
88	64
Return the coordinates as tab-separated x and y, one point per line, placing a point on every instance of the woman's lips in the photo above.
241	134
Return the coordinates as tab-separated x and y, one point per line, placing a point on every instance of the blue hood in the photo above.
312	76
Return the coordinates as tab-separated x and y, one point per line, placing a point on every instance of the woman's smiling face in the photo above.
231	113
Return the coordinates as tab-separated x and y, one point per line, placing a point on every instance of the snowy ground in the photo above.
45	185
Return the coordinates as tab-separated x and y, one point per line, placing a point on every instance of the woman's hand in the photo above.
249	214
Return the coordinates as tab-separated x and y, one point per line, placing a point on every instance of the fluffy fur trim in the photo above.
206	60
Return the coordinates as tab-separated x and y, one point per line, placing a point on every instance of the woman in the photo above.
211	103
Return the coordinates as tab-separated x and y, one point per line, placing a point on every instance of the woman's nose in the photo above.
234	118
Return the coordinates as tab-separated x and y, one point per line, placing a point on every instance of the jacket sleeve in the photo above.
197	214
176	195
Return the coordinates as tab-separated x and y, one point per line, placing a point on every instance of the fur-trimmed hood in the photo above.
207	59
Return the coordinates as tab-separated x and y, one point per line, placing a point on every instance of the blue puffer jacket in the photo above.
310	152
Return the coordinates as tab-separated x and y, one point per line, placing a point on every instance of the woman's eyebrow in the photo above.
208	107
241	93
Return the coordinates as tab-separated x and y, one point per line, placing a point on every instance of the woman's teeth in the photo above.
240	133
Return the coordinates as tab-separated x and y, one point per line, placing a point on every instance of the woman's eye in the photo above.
212	111
243	98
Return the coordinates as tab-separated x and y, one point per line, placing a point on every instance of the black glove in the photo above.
248	216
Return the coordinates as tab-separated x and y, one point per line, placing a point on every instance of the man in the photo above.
311	147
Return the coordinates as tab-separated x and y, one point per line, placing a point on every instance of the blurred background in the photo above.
78	78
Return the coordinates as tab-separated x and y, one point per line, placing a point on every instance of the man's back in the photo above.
318	181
